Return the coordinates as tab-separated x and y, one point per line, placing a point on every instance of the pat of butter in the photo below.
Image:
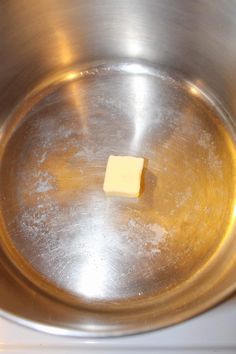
123	176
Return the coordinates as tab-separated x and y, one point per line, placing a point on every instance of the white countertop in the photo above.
212	332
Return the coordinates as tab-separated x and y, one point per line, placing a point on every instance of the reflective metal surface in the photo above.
74	261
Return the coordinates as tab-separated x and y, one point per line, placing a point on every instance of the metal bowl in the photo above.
81	80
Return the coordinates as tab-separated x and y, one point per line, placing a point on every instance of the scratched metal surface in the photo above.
118	265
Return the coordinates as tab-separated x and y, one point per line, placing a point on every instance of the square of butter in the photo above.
123	176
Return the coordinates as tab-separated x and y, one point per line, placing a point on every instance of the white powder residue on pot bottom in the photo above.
145	239
44	182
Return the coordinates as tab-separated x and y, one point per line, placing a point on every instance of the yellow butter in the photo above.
123	176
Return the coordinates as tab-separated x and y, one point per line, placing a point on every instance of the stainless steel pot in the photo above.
81	80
